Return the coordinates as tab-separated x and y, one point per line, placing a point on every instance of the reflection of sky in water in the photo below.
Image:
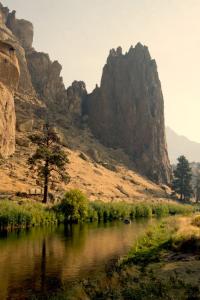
43	258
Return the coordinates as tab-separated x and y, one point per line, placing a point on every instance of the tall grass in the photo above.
24	214
121	210
75	207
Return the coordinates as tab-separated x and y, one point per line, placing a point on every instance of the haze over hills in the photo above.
181	145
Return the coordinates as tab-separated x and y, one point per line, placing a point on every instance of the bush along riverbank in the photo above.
164	264
75	207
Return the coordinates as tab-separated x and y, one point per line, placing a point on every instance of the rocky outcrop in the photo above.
39	76
6	34
22	29
127	111
49	86
9	78
76	95
45	76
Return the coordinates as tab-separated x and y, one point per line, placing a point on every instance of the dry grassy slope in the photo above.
91	177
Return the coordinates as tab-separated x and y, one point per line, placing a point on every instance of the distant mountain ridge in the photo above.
181	145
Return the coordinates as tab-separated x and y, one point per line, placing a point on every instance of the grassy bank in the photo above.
164	264
75	207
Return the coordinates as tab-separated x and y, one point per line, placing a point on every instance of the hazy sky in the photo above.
79	34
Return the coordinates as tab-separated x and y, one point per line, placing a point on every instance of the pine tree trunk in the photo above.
45	196
46	183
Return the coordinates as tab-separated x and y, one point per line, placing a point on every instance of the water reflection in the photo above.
42	259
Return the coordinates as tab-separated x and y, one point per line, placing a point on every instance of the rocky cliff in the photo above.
45	74
25	84
127	111
9	77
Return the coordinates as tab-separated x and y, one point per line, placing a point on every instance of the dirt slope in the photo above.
94	169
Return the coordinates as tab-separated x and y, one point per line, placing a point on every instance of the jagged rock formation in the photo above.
45	74
9	77
39	78
76	95
22	29
25	84
127	111
50	88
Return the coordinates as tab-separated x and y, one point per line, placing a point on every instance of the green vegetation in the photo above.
24	214
149	247
75	207
158	267
121	210
49	159
153	269
182	179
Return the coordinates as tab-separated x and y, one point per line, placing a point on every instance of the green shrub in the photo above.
74	206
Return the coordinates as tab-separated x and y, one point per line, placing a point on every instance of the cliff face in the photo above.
39	76
25	84
9	77
127	111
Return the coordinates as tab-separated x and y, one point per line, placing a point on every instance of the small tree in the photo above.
182	178
48	158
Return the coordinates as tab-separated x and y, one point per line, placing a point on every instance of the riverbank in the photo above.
164	264
75	208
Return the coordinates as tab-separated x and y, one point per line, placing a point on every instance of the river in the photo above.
40	260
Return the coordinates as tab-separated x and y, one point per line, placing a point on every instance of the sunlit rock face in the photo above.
9	78
6	34
127	111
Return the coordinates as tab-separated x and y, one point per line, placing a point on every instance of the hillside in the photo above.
181	145
113	155
99	172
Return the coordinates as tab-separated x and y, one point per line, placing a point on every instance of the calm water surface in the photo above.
43	259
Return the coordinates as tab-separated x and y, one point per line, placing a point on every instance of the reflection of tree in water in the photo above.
50	257
43	266
40	282
76	235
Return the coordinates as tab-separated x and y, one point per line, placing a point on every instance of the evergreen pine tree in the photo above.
182	179
48	158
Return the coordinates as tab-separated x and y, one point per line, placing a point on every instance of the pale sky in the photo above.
79	34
